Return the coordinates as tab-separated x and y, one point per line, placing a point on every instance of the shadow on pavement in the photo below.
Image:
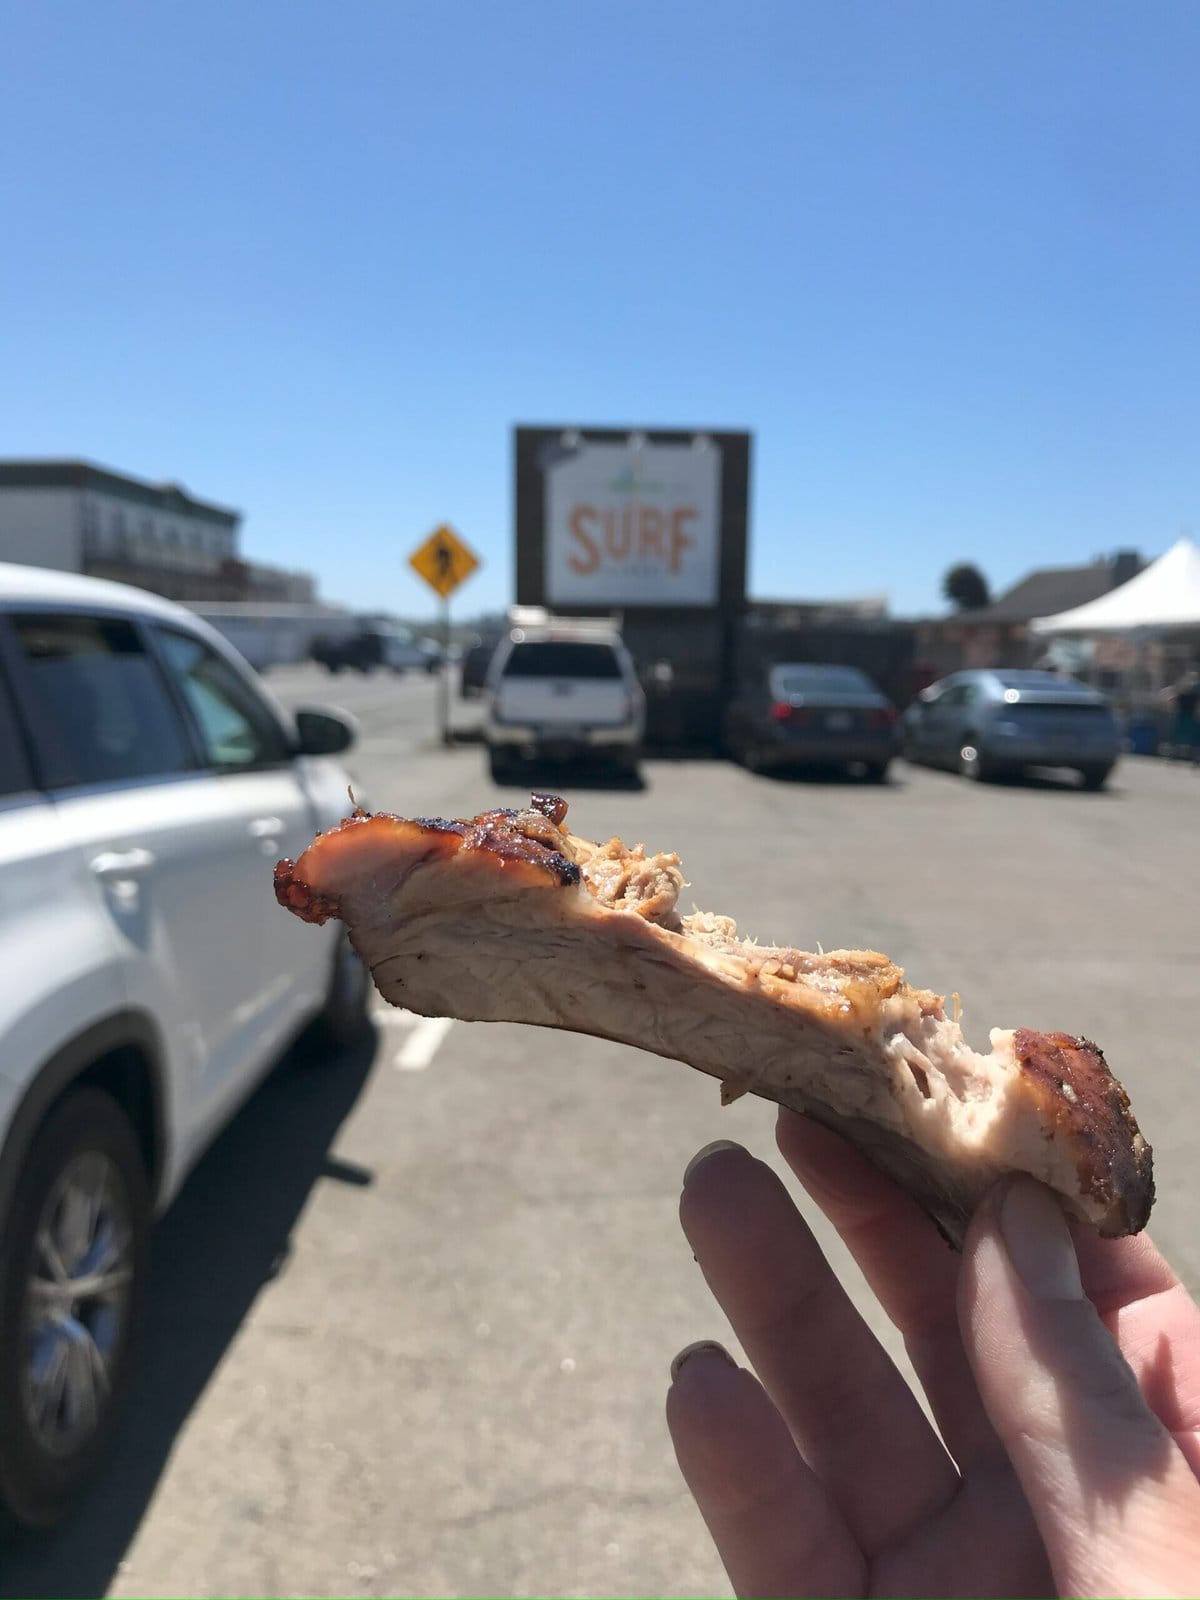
1040	780
831	777
572	776
227	1235
1052	780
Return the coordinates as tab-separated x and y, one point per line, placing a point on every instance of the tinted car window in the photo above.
1049	683
15	776
1035	680
236	728
100	711
562	658
813	680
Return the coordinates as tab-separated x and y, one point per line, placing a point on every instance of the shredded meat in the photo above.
628	880
508	917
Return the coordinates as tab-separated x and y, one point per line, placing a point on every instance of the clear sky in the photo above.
314	260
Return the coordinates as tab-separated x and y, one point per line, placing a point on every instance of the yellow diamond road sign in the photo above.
444	561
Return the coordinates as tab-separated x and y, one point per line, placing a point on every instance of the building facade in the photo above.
78	517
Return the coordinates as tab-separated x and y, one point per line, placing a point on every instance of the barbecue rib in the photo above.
509	918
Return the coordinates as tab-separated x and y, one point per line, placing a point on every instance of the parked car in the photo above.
802	714
558	695
393	648
147	785
473	668
987	724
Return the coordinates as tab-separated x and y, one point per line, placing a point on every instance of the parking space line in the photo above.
385	1016
422	1044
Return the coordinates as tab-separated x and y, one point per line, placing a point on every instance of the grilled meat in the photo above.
507	917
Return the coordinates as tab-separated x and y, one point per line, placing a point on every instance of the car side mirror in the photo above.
324	733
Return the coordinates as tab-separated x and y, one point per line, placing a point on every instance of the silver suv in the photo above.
147	785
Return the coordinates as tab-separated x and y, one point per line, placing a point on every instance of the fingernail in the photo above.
702	1347
1039	1242
708	1150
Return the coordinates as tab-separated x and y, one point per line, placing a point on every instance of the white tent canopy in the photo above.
1166	594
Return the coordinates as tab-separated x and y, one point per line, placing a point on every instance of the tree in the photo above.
966	586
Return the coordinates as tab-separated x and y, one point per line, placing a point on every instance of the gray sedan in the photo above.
808	714
991	723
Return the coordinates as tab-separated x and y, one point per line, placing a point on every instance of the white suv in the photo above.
147	786
563	692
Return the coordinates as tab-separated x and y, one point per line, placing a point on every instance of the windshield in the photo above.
562	658
789	681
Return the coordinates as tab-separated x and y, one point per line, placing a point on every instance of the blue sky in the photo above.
314	261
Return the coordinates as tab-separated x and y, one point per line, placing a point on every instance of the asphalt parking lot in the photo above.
412	1316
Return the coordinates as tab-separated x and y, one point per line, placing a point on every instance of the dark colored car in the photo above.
393	649
472	671
987	724
799	714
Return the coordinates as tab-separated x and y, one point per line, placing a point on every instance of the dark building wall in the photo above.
885	650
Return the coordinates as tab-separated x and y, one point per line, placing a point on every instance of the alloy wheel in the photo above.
77	1302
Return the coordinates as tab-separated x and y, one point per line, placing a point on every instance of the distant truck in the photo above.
394	649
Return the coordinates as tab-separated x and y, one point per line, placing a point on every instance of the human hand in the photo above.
1063	1371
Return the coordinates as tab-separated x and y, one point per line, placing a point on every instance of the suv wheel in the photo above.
72	1269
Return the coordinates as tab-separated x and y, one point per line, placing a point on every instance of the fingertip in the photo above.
713	1183
703	1348
706	1397
774	1525
707	1153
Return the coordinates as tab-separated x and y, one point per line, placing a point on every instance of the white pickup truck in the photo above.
557	694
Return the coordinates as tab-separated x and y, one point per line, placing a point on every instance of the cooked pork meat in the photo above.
507	917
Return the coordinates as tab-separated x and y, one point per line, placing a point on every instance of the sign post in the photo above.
444	561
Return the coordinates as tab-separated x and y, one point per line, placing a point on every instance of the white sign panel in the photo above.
634	525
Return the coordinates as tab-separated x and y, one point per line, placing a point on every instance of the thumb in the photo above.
1114	1500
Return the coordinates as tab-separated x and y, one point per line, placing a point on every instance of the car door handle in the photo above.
122	863
266	828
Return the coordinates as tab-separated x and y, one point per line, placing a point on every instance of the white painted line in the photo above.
386	1016
422	1044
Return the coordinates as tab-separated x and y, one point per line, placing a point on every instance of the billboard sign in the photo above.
631	522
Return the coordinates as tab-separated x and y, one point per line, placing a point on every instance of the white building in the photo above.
84	518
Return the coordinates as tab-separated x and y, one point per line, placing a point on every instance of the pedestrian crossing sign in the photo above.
443	560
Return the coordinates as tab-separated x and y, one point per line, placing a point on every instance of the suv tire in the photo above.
80	1212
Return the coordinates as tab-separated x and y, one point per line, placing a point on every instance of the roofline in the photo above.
59	473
